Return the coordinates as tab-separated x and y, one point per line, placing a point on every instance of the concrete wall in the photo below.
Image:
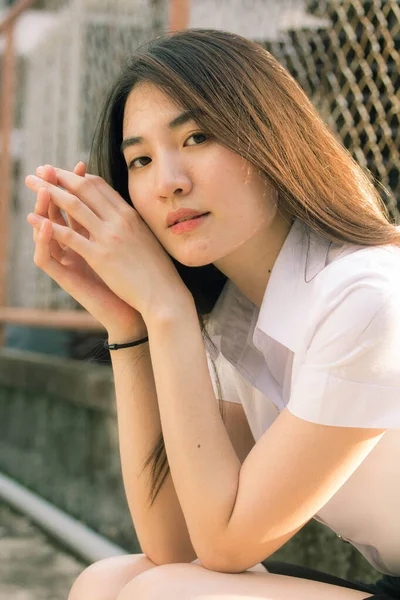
58	436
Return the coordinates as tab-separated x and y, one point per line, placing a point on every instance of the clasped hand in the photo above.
112	238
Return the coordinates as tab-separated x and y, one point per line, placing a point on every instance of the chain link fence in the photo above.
351	72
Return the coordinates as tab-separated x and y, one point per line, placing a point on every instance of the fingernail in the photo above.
35	218
40	171
42	225
32	180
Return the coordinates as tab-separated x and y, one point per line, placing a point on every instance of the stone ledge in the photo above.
83	383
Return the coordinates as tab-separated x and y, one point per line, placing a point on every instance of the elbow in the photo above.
229	561
169	558
221	564
216	559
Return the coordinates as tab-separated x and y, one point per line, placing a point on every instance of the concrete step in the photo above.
32	566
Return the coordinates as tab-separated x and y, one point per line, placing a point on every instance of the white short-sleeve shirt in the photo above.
326	344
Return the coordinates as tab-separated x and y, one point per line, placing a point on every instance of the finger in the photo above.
80	169
43	257
77	206
46	208
93	191
41	206
67	236
57	216
106	190
48	173
55	213
42	203
67	180
46	248
56	249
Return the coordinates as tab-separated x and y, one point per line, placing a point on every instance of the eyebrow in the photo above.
187	115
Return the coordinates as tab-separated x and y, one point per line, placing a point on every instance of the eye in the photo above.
131	164
197	135
203	137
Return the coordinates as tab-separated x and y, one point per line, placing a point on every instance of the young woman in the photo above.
292	267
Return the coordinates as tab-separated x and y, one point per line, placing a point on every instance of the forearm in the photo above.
161	529
203	462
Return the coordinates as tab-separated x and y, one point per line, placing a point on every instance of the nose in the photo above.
172	178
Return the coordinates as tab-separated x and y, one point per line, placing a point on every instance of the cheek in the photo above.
221	171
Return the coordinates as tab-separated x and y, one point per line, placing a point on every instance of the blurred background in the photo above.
59	460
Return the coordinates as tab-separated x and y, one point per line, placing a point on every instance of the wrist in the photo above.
125	337
177	307
123	346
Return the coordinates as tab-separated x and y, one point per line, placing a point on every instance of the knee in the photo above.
104	579
165	581
86	583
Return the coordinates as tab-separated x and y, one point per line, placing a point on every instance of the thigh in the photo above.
283	568
192	582
379	597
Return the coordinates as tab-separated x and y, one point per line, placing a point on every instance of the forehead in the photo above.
147	104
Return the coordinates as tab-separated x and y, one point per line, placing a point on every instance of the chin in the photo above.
193	263
198	254
194	259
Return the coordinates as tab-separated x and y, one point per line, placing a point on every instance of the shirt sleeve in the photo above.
350	375
226	374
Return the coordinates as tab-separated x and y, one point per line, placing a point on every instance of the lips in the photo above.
182	213
190	218
189	224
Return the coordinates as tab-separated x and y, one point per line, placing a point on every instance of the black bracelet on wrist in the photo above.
128	345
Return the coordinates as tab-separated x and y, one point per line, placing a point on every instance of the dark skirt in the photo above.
386	588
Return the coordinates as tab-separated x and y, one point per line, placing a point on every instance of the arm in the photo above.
239	515
161	529
204	465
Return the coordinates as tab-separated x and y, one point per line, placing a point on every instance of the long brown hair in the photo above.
250	104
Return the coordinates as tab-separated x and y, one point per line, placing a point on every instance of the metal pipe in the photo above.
83	541
8	73
7	120
179	14
15	11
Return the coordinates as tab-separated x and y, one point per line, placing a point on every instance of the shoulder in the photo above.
368	275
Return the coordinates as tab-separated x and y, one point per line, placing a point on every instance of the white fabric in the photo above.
326	344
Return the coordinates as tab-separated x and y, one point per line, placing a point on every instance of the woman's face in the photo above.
179	167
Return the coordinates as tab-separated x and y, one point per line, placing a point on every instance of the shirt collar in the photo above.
287	299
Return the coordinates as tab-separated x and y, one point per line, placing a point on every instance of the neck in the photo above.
250	265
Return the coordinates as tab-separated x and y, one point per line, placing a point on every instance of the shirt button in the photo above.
341	538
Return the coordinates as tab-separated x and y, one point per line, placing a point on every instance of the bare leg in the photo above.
104	579
194	582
